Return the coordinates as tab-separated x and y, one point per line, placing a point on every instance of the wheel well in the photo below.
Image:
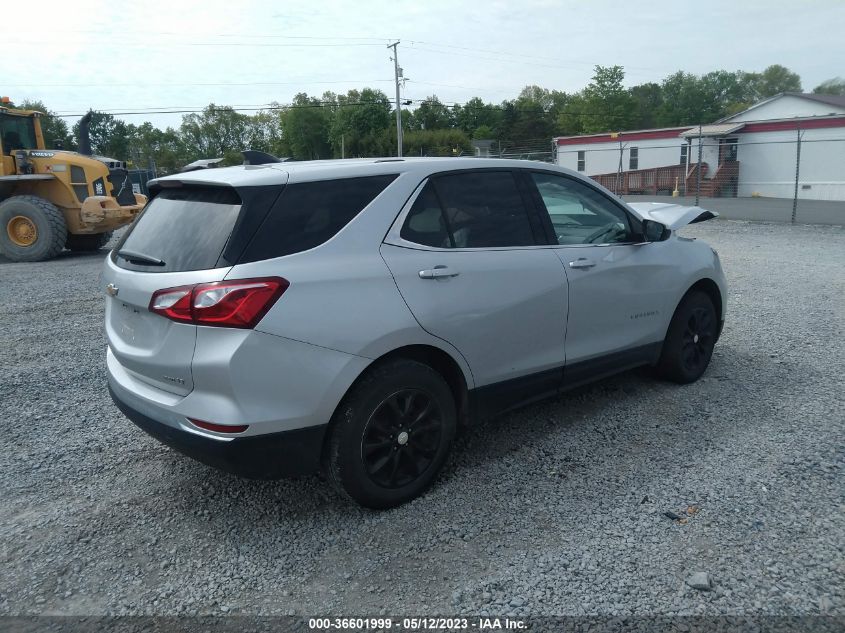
709	287
444	365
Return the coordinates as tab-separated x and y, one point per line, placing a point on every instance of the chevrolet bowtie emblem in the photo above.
112	290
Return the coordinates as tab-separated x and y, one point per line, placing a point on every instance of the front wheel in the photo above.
33	229
689	342
391	434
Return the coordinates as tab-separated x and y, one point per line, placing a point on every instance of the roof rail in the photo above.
257	157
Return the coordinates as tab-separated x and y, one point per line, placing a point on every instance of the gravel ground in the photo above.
559	508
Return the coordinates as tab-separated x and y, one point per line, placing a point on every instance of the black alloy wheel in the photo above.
698	339
401	438
391	434
688	346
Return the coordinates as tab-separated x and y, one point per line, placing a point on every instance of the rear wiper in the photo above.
139	258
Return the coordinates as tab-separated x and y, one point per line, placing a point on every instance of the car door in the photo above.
619	285
465	258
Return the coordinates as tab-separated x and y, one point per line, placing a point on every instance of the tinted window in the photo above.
186	228
580	214
310	213
484	210
17	132
425	223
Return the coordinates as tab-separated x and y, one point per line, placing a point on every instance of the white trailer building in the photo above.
750	153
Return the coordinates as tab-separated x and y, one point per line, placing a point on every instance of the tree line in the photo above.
361	122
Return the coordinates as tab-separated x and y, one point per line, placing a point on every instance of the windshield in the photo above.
17	132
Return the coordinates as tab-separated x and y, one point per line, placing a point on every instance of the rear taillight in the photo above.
241	303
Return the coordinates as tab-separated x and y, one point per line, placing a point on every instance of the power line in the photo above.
148	44
177	34
200	84
291	106
510	54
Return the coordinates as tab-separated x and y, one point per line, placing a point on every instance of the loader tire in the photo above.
87	242
32	229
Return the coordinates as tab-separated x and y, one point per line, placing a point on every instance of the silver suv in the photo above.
272	319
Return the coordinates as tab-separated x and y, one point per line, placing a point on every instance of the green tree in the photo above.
160	150
569	120
687	100
647	100
362	123
443	142
305	127
475	115
432	115
216	132
775	80
608	105
264	133
529	117
109	135
835	86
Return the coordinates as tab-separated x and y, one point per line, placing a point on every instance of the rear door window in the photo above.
185	228
310	213
477	209
425	223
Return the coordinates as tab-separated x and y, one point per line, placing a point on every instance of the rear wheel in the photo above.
689	342
391	434
87	242
33	229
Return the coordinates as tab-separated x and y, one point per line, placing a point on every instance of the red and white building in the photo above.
750	153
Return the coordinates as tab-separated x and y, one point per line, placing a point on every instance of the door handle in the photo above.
582	262
438	272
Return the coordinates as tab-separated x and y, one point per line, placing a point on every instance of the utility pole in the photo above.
797	172
698	175
396	71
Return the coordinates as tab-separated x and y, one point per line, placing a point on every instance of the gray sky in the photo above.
151	54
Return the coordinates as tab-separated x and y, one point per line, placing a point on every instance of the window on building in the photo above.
727	149
684	150
582	160
634	160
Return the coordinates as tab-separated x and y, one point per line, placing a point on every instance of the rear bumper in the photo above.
266	456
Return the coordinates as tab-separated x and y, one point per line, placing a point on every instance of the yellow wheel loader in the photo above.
51	199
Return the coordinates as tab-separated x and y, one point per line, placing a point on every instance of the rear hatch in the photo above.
185	235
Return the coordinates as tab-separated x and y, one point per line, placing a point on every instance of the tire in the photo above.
689	342
381	450
87	242
25	218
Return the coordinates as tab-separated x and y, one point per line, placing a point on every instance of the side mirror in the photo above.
654	231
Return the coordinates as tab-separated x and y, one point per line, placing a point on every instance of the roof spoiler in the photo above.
257	157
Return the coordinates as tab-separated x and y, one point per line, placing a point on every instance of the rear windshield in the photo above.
185	228
310	213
